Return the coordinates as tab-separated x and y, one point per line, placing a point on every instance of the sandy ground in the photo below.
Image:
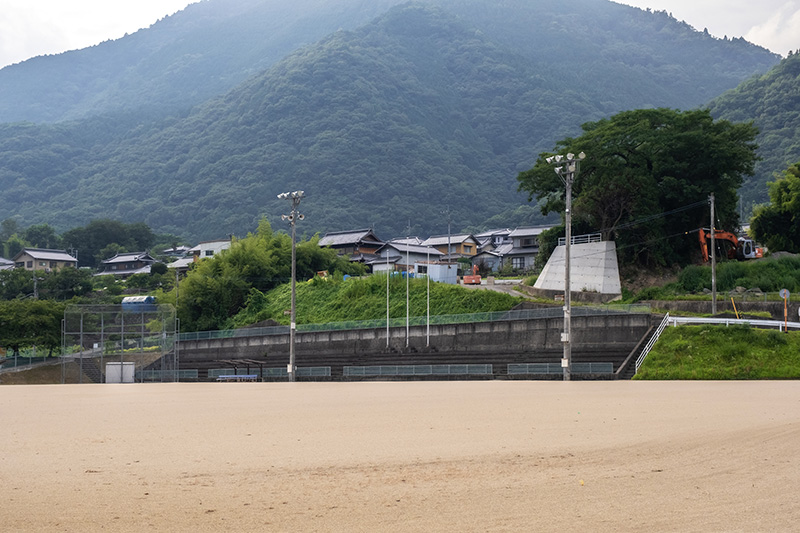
443	456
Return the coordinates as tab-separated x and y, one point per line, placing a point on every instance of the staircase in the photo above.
91	370
628	368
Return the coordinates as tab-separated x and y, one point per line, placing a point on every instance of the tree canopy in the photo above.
646	176
218	288
777	225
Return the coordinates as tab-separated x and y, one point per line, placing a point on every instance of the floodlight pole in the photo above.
567	171
294	199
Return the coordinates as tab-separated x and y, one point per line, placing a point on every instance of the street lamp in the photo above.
566	168
294	199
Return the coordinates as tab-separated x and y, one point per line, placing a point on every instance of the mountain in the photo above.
182	60
213	45
772	102
430	105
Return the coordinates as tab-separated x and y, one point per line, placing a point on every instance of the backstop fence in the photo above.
119	343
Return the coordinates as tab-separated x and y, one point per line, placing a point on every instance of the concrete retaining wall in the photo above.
611	334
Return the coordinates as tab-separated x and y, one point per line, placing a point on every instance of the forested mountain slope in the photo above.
772	102
182	60
422	108
213	45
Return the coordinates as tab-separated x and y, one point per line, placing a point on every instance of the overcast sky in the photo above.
29	28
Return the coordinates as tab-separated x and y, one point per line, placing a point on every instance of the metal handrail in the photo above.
732	321
523	314
651	342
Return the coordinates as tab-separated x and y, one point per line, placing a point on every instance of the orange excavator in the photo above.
474	279
734	247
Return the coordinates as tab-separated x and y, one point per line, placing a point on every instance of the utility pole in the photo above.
713	259
567	171
446	212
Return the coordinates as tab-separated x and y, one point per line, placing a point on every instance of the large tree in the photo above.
643	169
777	224
217	288
25	323
92	241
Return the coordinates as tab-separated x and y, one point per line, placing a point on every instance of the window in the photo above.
529	241
21	264
29	264
518	262
467	248
209	253
53	264
43	264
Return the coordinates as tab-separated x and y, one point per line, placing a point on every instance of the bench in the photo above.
238	377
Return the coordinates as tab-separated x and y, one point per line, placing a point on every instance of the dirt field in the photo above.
458	456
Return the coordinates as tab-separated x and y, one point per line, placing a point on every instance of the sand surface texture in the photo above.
420	456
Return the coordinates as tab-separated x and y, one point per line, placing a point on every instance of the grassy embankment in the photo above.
719	352
770	275
321	301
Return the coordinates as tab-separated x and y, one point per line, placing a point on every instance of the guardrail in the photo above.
416	370
582	239
556	368
780	324
524	314
279	372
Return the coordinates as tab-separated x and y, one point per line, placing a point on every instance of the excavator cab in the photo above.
748	250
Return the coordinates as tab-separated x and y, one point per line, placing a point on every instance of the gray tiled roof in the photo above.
341	238
530	231
400	247
129	256
440	240
48	255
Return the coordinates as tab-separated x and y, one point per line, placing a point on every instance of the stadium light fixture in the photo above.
567	174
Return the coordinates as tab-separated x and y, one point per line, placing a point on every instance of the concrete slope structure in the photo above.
593	269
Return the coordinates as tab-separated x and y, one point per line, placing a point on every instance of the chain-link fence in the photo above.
119	343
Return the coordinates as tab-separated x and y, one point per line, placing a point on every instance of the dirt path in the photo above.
418	456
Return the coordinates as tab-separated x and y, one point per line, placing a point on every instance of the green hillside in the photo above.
772	102
422	108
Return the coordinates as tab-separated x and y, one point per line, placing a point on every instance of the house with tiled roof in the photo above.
355	242
524	247
126	264
398	256
454	246
44	259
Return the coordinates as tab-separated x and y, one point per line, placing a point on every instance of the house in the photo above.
44	259
492	239
207	249
460	245
488	261
6	264
524	248
362	241
178	251
126	264
203	250
361	245
398	256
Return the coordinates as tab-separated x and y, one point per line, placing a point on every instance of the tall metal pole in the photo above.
387	297
713	260
567	363
567	171
294	198
408	275
428	311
